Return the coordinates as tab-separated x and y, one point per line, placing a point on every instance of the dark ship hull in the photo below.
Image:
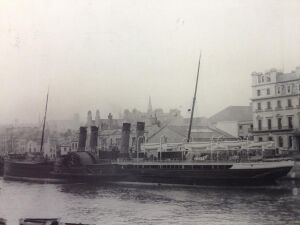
205	175
184	172
28	171
1	168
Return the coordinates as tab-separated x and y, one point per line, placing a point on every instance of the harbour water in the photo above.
151	204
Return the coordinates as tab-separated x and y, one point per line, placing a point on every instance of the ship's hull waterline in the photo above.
39	172
192	174
169	172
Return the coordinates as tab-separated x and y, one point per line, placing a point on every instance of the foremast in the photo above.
44	123
194	101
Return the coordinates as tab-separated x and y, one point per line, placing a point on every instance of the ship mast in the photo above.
194	101
44	122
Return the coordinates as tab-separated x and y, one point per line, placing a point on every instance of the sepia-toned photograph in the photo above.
140	112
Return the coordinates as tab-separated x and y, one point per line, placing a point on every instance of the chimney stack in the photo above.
89	118
124	151
94	138
140	131
97	119
82	138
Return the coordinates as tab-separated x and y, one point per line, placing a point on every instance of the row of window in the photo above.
280	141
278	105
263	78
279	123
288	89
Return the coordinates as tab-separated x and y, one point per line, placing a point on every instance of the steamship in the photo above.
231	162
177	163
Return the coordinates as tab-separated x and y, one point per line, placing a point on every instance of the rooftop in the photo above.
233	113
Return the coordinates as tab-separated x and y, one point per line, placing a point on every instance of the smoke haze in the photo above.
112	55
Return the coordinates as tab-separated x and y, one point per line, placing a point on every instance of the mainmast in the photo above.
194	101
44	122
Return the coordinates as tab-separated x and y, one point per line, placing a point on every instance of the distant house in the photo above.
21	145
109	139
74	142
235	120
33	146
64	149
50	148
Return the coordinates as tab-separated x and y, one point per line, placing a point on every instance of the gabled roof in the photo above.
233	113
197	132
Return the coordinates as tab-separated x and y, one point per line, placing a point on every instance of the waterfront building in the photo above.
178	134
235	120
276	108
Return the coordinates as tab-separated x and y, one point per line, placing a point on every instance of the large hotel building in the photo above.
276	108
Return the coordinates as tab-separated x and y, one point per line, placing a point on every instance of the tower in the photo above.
97	118
89	118
149	106
110	121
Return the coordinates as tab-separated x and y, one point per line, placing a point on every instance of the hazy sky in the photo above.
114	54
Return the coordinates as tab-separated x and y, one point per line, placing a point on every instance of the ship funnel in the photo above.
94	138
124	151
140	131
82	138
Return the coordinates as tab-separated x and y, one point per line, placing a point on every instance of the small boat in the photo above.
39	221
46	221
2	221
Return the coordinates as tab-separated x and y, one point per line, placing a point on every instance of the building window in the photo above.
240	127
262	79
258	92
268	105
259	124
268	91
268	79
269	124
280	141
289	88
290	103
290	141
278	90
270	138
260	139
259	79
290	122
279	123
258	106
279	104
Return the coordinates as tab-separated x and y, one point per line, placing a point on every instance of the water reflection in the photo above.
151	204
